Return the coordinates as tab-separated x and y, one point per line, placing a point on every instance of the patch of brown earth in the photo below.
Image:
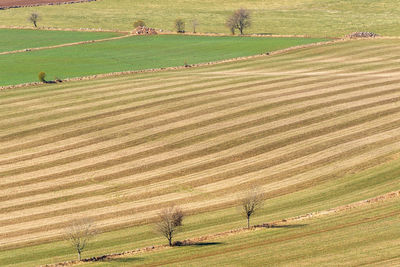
5	4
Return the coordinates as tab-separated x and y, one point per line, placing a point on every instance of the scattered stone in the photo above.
143	30
362	35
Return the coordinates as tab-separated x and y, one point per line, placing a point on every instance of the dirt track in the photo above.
26	3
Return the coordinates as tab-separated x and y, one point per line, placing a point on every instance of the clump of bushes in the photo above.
42	77
139	23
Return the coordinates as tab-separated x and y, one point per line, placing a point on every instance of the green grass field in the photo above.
313	129
319	18
367	236
133	53
11	39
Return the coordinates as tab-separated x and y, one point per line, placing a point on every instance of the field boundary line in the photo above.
359	204
176	68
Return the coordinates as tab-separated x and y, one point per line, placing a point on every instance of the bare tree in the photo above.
79	234
180	25
251	202
240	20
34	17
231	24
195	23
170	219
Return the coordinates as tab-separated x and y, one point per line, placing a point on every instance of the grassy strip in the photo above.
133	53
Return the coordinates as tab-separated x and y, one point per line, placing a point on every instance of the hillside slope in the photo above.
120	149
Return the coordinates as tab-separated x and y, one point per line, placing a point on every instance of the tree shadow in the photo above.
197	244
204	244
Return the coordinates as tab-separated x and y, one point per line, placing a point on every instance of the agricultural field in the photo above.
11	39
126	54
313	128
317	18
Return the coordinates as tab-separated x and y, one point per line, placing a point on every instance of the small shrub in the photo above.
139	23
180	26
42	77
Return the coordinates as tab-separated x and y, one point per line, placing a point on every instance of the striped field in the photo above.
120	149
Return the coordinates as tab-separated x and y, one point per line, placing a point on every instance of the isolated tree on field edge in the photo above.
250	203
170	220
34	17
180	25
240	20
195	23
79	233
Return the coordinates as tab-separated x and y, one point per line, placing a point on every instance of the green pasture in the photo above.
133	53
363	236
12	39
322	18
344	190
